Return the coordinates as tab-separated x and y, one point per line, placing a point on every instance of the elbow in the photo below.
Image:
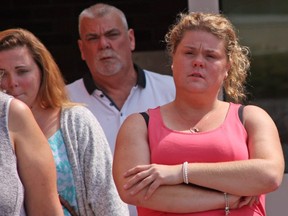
125	197
129	199
273	180
277	176
271	185
124	194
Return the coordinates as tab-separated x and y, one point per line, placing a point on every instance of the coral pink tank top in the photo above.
225	143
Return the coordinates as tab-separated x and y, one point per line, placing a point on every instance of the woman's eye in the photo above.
22	71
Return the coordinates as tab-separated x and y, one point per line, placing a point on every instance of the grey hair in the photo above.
100	10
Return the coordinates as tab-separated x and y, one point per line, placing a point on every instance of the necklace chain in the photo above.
194	130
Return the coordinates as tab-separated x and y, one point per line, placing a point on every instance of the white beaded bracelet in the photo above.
185	172
227	209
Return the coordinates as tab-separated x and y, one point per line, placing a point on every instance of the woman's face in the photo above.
21	75
200	62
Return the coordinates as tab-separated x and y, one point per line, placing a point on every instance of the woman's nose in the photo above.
11	81
198	62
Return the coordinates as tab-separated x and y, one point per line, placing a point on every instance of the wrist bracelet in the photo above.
185	172
227	209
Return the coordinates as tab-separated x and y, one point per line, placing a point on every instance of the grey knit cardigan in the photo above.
91	161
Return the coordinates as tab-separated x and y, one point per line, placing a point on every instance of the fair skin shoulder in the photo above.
106	46
132	143
22	79
261	174
35	162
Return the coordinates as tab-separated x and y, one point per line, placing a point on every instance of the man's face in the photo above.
105	44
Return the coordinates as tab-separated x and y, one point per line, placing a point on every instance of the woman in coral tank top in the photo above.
200	155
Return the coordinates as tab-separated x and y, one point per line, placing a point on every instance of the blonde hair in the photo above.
52	92
223	29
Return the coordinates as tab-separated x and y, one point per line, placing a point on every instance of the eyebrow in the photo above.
22	66
91	35
105	33
196	48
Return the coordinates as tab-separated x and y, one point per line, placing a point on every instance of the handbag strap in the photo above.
66	205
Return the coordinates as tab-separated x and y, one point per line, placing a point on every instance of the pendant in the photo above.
194	130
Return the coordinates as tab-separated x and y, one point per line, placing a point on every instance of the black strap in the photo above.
146	117
240	113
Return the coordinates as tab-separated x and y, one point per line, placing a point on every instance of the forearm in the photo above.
244	178
178	199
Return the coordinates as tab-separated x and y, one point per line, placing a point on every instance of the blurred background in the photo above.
262	26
